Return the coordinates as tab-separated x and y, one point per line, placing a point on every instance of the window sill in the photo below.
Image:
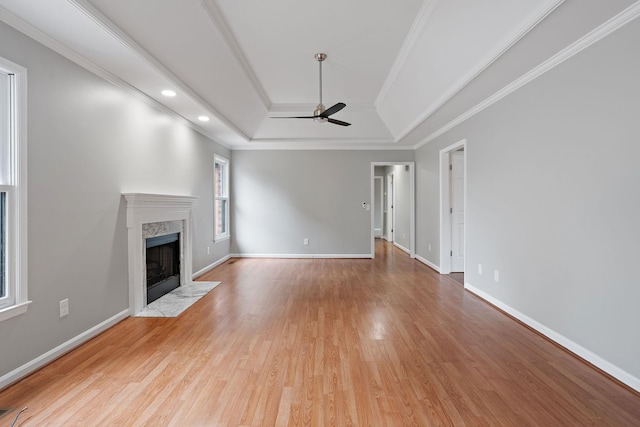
14	310
221	238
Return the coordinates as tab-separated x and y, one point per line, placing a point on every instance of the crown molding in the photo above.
39	36
322	144
407	46
29	30
307	107
120	36
610	26
503	46
220	23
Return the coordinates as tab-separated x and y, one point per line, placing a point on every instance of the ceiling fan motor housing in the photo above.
317	114
321	114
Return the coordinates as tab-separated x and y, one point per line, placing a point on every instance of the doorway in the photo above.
456	196
378	207
389	204
399	204
453	186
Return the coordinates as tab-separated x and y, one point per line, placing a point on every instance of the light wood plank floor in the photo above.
324	342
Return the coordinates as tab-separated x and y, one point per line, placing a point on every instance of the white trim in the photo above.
44	39
389	177
129	43
220	25
302	256
428	263
560	339
304	108
225	196
60	350
320	144
17	195
392	177
14	310
445	217
402	248
612	25
502	47
412	205
199	273
316	140
148	208
407	46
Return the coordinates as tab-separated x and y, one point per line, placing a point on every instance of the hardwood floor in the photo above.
458	277
324	342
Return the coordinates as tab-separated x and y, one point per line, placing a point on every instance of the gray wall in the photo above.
281	197
553	200
88	142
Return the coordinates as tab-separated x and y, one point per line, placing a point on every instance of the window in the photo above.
221	198
13	195
3	240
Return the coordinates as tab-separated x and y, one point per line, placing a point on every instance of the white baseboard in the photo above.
305	256
565	342
428	263
199	273
402	248
58	351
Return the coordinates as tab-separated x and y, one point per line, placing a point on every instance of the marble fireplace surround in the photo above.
150	215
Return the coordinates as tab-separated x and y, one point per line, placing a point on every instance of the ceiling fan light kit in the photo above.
320	114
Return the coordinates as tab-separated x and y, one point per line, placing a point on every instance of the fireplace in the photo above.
162	217
163	265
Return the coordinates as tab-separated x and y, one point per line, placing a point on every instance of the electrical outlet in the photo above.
208	250
64	307
480	269
429	247
306	242
496	276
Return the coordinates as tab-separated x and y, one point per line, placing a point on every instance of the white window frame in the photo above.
14	184
217	237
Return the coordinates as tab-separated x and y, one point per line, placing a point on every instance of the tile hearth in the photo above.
178	300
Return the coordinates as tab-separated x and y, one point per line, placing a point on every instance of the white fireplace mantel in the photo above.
155	208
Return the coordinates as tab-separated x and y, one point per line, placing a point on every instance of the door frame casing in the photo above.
412	205
445	201
390	201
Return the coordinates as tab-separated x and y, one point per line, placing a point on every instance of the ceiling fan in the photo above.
321	114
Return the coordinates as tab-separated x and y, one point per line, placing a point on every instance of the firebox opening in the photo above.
163	265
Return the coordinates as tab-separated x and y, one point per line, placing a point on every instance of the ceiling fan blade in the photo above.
338	122
333	109
294	117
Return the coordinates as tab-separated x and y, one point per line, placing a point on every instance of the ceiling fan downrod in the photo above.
320	108
322	114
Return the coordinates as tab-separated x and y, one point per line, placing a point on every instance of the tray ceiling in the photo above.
394	64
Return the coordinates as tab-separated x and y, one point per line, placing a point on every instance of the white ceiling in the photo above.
242	62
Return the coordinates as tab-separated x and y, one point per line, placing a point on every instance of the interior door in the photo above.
390	201
457	211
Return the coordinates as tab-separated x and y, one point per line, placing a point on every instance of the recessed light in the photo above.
168	93
203	118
